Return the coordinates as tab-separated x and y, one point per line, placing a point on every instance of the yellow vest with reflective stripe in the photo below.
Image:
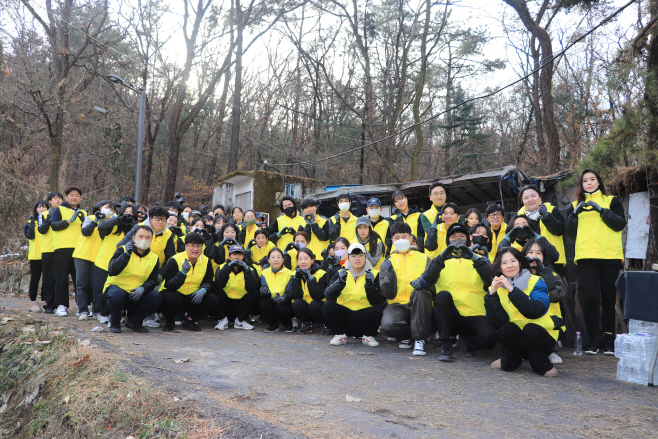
367	247
34	251
347	229
235	287
517	318
285	221
135	273
463	282
411	219
194	276
557	241
495	240
441	231
108	247
408	267
88	246
353	295
159	243
68	238
315	245
47	243
277	282
595	240
307	296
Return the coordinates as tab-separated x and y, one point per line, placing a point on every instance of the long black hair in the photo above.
126	227
373	237
42	203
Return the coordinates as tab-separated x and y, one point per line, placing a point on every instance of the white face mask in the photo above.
402	245
301	244
374	213
186	215
171	212
340	253
142	244
344	206
106	211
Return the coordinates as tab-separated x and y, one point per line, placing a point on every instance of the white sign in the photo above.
639	220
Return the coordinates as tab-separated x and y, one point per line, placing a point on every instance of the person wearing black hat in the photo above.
188	285
236	284
379	223
462	279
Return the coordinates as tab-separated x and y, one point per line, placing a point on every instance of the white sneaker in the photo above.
223	324
151	323
295	323
103	320
83	316
61	311
405	344
370	341
242	325
419	348
555	358
338	340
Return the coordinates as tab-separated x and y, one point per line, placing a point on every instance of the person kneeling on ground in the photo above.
237	287
517	305
462	278
133	274
409	312
354	301
306	289
188	284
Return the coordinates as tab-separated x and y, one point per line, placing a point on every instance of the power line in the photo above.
484	96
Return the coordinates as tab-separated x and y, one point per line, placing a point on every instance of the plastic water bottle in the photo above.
578	345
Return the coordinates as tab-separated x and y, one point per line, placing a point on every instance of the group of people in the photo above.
475	278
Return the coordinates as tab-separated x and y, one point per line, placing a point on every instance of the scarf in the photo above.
532	214
366	267
520	281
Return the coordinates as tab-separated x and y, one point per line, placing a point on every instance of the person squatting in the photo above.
481	281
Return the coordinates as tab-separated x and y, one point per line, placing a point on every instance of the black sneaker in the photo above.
466	352
139	328
289	328
592	348
307	328
326	330
446	352
169	326
115	329
191	325
608	343
49	311
272	328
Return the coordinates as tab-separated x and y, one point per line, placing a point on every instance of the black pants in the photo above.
119	300
36	268
98	278
343	320
533	343
479	333
273	312
308	312
63	266
599	291
411	320
174	302
235	308
48	289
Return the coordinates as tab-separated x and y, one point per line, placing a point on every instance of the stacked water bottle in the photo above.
635	351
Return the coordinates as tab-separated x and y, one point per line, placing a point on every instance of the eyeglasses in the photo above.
436	194
495	215
194	246
158	219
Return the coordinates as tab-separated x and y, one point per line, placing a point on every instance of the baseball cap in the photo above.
354	247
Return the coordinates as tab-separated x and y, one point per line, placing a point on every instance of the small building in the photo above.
262	190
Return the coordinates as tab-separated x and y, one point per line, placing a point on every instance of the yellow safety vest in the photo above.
315	245
431	213
68	238
515	315
495	240
293	259
367	247
307	296
194	276
34	250
47	243
277	282
108	247
411	219
595	240
463	282
441	231
259	253
135	273
408	267
159	243
88	246
249	234
557	241
285	221
235	287
347	229
353	295
382	230
554	309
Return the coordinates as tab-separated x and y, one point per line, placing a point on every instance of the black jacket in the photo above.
335	288
56	221
615	218
530	308
251	279
29	229
120	260
169	250
315	287
433	271
174	278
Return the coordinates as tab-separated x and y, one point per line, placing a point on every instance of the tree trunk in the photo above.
419	93
539	121
237	92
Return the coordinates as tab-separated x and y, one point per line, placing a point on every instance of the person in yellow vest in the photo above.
370	240
111	229
34	253
142	212
257	250
237	217
300	240
306	290
354	301
534	252
379	223
236	284
47	251
66	224
250	228
85	254
408	315
196	226
461	278
343	223
178	231
409	215
481	239
133	275
521	230
517	306
495	215
163	240
227	237
317	229
438	197
284	227
596	221
273	282
188	285
435	238
551	222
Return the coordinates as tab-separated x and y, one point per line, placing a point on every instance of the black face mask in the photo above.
481	240
289	210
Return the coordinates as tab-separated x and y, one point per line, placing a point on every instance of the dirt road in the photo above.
290	385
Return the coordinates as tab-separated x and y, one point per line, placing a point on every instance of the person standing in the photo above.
380	224
409	215
284	227
438	197
317	228
47	251
30	230
343	224
495	215
435	238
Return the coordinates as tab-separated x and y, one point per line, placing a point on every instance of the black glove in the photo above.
278	298
528	232
99	215
289	247
80	214
310	218
264	290
289	230
467	253
264	261
342	276
186	267
448	253
580	207
324	253
301	273
31	217
331	260
177	231
538	267
370	277
242	265
251	244
416	284
130	246
203	209
477	248
543	211
204	233
595	206
514	233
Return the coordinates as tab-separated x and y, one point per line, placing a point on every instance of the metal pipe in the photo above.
140	145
